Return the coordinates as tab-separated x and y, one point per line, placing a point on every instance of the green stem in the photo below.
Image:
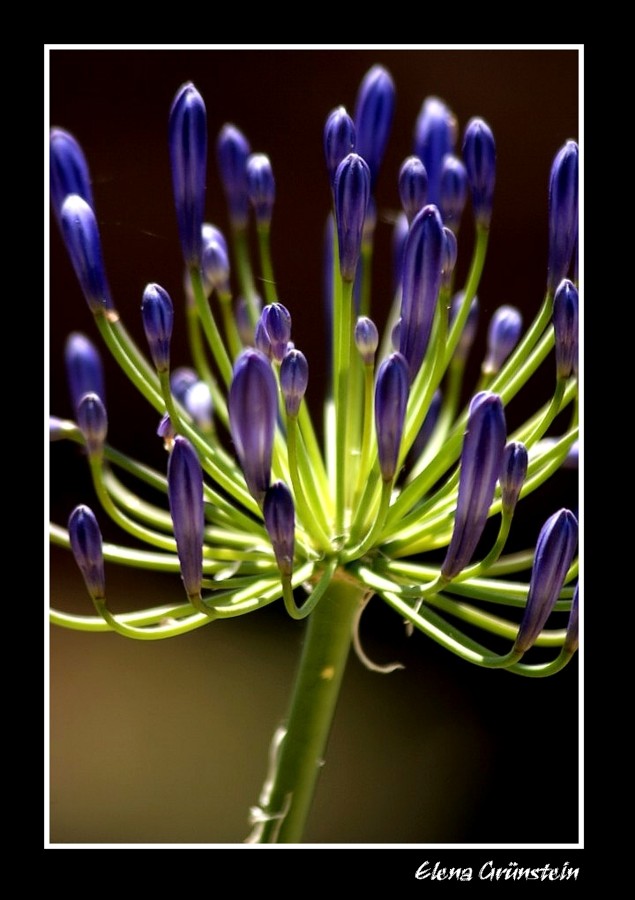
286	799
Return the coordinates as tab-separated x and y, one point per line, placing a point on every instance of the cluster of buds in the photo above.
399	497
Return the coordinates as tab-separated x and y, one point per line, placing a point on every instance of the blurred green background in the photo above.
167	742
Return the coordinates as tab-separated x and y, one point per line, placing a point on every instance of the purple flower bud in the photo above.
158	317
370	221
450	254
469	329
366	339
391	399
81	236
435	137
185	494
232	150
261	187
165	430
215	265
198	402
84	370
351	194
211	233
453	191
93	422
481	462
422	268
68	170
294	378
502	337
479	154
262	341
513	472
86	544
276	322
181	380
563	213
428	425
565	326
279	515
555	550
188	160
571	637
374	111
253	408
399	236
339	139
243	319
413	186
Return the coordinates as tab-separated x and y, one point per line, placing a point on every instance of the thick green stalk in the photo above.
288	792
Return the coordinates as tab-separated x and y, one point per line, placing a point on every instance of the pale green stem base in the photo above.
286	798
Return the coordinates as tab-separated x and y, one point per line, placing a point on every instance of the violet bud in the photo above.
479	155
351	193
571	637
399	235
211	233
453	191
232	151
86	544
563	213
84	370
253	409
502	336
279	515
68	170
81	236
565	326
366	339
185	494
554	554
450	254
391	399
276	320
469	329
339	139
262	341
481	462
93	422
165	430
158	317
198	403
374	111
261	187
513	473
413	186
294	379
215	265
188	161
181	380
422	268
435	137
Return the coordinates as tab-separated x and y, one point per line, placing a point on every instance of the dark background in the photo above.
167	741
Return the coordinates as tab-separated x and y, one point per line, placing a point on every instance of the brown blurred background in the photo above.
167	741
